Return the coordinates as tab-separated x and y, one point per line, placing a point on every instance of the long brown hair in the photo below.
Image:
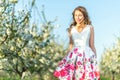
85	14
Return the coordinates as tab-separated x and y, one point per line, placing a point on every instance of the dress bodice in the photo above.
81	39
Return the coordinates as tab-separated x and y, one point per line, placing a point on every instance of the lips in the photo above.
78	20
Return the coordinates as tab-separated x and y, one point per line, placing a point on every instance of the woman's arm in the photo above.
70	42
92	40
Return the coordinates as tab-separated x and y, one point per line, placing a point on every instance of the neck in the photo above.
81	25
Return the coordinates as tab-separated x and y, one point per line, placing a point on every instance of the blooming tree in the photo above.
25	47
110	63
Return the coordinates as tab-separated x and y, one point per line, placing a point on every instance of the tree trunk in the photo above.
113	75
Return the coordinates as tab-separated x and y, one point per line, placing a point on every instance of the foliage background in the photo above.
28	49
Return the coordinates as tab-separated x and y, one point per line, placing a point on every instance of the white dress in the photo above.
80	63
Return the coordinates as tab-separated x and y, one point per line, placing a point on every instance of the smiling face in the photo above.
78	17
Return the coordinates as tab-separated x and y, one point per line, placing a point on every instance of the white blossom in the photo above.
13	1
8	31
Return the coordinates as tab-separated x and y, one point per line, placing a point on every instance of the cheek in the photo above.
75	18
81	17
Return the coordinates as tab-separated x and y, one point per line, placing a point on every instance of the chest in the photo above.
83	35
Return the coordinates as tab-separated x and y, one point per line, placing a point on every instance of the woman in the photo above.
80	63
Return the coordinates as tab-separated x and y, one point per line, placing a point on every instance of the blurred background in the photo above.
34	37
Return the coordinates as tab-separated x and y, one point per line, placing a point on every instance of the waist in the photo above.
82	47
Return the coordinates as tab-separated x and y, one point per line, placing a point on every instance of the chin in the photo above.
79	22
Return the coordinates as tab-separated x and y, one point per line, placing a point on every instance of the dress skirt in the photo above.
79	64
